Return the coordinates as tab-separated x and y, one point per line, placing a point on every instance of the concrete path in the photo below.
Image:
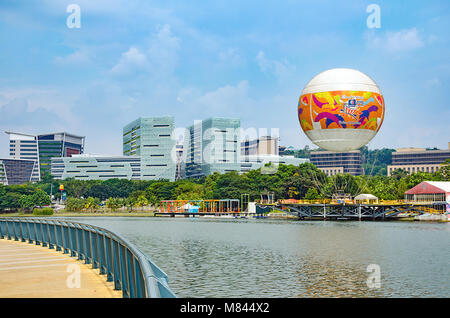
32	271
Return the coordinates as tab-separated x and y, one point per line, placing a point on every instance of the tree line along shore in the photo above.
287	182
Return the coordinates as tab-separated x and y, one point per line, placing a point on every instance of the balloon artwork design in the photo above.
341	110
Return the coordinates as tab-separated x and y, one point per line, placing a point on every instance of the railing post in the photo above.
8	232
124	271
15	234
70	230
109	259
131	274
37	241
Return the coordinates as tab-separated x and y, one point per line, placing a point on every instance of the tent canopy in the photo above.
365	196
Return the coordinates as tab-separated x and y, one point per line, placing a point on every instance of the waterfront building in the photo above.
212	145
42	148
152	140
18	171
413	160
332	163
431	192
96	167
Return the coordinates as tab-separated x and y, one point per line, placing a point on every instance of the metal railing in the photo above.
122	263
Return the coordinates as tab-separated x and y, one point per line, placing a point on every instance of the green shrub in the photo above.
43	211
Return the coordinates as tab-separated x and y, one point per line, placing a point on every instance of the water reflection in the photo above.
267	258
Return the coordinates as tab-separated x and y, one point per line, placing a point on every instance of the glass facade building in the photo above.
17	171
212	145
58	145
252	162
42	148
89	167
338	162
153	141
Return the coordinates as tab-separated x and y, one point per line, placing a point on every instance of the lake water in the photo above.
206	257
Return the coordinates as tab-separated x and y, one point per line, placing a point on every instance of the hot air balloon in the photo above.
341	109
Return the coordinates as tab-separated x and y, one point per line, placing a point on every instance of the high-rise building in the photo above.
212	145
332	163
418	159
152	140
42	148
58	145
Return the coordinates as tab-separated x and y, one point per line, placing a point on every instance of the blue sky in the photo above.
197	59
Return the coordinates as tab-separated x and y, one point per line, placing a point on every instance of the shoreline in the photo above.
152	214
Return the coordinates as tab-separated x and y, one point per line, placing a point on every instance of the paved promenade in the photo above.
33	271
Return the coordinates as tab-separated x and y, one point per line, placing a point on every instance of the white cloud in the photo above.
131	61
80	56
283	70
394	42
158	56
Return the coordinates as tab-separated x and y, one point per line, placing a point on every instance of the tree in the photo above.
10	201
141	201
92	204
75	204
40	198
114	203
444	171
76	188
312	194
25	202
99	191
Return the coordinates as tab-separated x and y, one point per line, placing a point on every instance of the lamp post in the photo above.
61	188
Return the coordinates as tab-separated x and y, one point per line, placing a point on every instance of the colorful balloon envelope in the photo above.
341	109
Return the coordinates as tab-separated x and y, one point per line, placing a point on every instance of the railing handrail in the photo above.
118	261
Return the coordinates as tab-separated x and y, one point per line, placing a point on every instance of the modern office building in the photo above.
96	167
253	162
152	140
338	162
418	159
212	145
258	152
265	145
42	148
18	171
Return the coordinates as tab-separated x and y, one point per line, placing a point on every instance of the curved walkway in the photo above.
33	271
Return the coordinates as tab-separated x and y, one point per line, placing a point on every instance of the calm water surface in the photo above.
272	258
